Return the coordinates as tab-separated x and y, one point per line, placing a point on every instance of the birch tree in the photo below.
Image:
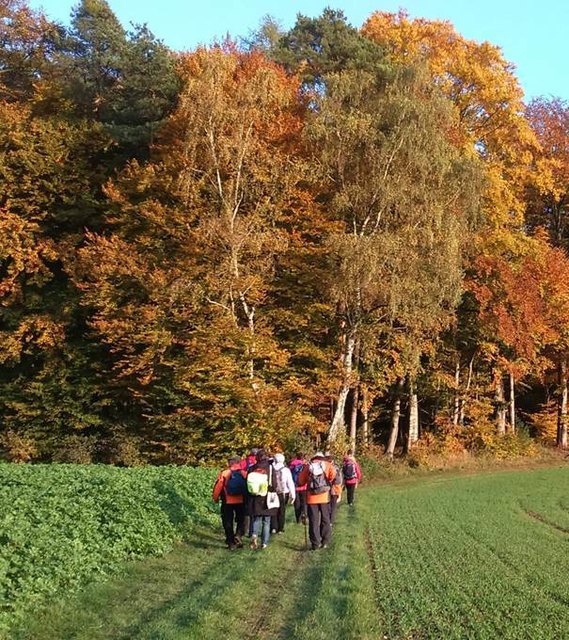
401	191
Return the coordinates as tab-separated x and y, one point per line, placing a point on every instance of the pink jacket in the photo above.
358	477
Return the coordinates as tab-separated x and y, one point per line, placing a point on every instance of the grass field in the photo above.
480	556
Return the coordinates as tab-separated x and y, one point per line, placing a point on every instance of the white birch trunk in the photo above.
395	415
512	403
365	416
338	422
466	391
500	405
456	412
413	415
562	405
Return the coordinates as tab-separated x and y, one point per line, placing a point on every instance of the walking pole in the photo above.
304	519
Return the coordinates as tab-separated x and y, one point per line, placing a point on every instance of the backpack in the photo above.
338	479
257	483
295	471
236	484
350	470
317	482
280	485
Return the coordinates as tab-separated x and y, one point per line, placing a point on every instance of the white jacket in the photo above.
288	482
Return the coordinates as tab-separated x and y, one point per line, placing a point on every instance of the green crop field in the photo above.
437	557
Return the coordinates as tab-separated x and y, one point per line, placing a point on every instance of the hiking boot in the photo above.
253	544
263	546
231	547
273	531
238	542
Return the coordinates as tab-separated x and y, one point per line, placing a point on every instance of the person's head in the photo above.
279	458
318	456
234	460
350	452
254	451
300	455
328	456
261	455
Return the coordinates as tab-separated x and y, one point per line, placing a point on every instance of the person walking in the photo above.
318	476
260	482
352	476
296	466
285	490
247	464
335	489
231	489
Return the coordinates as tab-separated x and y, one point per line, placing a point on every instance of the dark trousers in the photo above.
300	505
319	527
351	490
333	507
233	520
278	521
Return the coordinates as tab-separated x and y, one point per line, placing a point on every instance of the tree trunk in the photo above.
395	415
466	391
354	417
562	405
365	415
413	415
512	403
456	413
355	399
338	422
500	404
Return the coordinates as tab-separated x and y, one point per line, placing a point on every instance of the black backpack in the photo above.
350	470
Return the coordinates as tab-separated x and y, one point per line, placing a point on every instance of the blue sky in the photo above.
533	34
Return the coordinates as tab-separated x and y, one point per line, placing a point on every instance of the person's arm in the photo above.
330	473
290	484
358	473
218	487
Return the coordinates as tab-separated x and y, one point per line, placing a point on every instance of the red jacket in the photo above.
219	486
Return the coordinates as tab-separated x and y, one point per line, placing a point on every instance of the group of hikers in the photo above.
254	492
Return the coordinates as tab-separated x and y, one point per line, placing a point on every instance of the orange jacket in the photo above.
329	472
219	486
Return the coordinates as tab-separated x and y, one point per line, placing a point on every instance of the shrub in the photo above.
62	524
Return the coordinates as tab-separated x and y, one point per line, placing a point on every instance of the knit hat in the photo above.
279	457
319	454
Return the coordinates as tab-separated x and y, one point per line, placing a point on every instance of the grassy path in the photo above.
457	557
201	590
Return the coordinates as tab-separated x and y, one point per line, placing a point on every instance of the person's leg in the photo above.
257	522
297	507
304	513
240	522
333	506
314	517
325	528
266	530
274	522
251	516
350	488
227	522
281	515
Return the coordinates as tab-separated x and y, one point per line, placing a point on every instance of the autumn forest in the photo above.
325	235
